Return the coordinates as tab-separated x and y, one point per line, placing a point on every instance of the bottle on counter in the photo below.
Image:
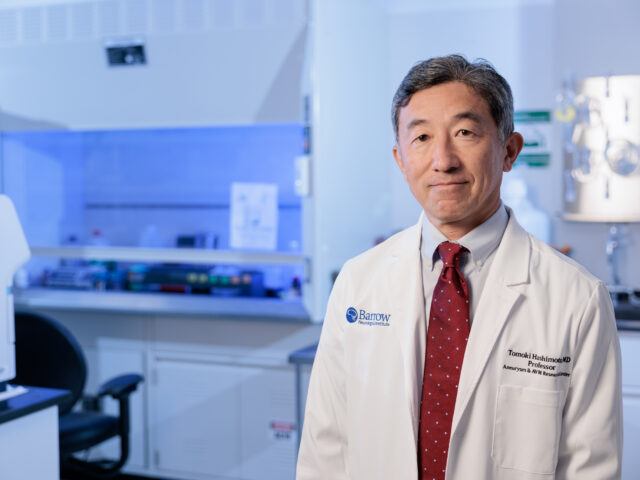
533	219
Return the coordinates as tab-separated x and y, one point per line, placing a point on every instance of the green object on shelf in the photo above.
528	116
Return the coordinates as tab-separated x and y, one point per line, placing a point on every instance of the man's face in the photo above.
450	152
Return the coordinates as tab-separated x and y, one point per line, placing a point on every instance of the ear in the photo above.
398	159
513	147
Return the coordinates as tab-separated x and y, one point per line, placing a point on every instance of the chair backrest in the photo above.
48	355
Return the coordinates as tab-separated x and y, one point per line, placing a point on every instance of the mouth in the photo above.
449	184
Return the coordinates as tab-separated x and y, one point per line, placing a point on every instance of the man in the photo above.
462	347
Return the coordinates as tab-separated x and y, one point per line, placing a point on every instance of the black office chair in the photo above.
48	355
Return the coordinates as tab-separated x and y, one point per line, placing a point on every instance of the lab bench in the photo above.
628	317
274	309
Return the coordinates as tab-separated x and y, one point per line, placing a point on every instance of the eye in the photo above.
422	138
463	132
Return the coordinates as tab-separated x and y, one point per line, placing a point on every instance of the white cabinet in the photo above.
268	430
631	460
630	345
31	443
195	417
213	419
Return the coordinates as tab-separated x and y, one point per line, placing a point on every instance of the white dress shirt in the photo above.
482	243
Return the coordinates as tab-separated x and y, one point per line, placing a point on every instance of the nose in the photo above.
444	158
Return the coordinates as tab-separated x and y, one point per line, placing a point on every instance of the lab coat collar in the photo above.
510	268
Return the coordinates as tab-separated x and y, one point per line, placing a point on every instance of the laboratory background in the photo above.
183	179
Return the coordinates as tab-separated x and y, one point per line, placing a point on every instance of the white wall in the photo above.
534	44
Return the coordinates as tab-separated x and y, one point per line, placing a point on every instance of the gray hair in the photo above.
480	76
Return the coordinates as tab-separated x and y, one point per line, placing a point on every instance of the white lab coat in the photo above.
509	422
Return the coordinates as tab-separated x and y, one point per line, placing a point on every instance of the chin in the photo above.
444	217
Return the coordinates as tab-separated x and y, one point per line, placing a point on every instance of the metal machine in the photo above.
14	252
601	149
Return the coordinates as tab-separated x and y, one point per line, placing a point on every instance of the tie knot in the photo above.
450	253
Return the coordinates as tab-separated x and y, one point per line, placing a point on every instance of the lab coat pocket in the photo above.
526	430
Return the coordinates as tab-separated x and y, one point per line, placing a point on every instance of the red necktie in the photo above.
447	336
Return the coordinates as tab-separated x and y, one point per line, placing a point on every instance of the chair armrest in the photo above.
121	386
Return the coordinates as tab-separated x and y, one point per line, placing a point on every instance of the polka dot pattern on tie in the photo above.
447	337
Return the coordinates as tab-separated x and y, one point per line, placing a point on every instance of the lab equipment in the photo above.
601	148
14	252
77	277
197	240
601	139
218	281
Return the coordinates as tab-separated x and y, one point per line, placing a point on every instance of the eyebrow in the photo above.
415	122
466	115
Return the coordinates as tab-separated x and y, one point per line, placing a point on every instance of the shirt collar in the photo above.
480	241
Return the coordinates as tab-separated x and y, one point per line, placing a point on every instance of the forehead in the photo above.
445	102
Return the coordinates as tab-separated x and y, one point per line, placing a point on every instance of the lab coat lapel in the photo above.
405	290
510	267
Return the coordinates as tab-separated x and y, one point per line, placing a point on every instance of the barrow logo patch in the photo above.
363	317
